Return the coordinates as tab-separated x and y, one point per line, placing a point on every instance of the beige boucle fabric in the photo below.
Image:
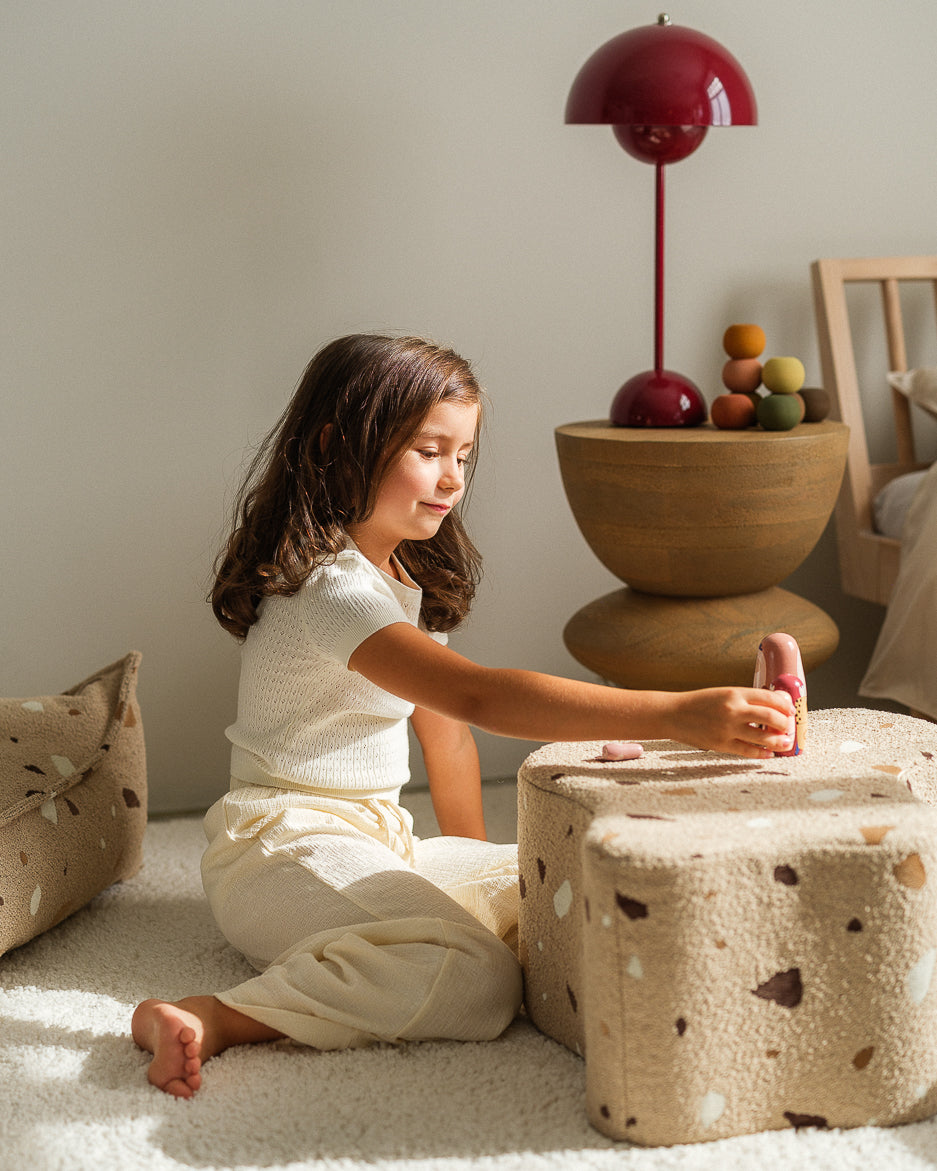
734	945
72	799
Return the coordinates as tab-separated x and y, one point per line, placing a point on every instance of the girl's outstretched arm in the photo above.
530	706
451	760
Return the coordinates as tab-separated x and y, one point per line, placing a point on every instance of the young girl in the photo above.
347	566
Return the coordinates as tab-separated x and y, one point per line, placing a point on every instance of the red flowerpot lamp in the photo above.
660	87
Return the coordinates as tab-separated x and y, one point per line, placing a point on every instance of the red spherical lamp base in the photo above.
658	398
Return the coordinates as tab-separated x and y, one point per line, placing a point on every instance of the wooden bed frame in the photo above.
868	561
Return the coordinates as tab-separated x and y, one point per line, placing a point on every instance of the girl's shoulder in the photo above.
348	565
349	577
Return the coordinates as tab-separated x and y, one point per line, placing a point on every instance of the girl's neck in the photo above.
383	558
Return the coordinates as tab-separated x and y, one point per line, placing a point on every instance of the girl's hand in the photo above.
740	720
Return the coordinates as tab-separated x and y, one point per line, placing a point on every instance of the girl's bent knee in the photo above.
481	1003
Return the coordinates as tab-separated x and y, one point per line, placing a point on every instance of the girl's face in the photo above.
423	485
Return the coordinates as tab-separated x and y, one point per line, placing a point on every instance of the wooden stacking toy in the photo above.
786	402
779	666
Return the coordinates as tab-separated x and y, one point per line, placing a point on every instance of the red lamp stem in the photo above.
659	271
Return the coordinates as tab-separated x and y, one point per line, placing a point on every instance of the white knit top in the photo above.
304	719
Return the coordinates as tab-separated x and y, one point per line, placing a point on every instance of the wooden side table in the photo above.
700	525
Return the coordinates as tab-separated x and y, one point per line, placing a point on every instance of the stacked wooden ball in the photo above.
786	403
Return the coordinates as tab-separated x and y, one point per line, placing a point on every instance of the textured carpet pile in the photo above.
74	1095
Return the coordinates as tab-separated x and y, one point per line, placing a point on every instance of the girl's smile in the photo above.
423	486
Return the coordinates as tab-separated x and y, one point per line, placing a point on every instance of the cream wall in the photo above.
196	194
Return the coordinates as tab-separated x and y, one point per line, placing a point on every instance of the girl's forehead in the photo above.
452	419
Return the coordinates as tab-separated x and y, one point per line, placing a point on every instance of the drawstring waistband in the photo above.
254	811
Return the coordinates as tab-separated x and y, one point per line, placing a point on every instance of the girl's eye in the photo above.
429	453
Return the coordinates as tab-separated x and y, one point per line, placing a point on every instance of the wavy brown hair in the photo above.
359	403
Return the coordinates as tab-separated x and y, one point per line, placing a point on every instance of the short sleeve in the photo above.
349	600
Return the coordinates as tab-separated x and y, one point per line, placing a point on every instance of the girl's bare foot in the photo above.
174	1036
183	1034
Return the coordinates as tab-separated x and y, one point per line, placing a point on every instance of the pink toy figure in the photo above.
779	667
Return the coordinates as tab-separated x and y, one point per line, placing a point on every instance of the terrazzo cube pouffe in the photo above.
72	799
738	945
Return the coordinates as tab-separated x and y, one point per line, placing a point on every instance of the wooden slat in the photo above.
898	360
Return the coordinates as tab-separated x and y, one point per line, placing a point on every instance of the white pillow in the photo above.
920	386
891	505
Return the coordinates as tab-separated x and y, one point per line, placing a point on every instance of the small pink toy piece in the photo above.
779	667
621	750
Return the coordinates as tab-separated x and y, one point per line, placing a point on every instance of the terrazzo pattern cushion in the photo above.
72	799
735	945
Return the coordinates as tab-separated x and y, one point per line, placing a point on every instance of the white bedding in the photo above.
891	505
903	667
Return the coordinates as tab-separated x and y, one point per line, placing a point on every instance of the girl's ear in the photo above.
325	436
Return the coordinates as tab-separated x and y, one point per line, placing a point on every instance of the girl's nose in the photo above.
452	474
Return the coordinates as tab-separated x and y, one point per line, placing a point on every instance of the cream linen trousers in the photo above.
360	931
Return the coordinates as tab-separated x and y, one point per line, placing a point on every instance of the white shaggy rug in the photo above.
74	1095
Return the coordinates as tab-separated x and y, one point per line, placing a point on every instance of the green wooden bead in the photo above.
780	412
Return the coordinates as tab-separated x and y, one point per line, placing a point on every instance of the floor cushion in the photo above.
737	945
72	798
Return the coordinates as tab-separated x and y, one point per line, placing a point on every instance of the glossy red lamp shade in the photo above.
660	87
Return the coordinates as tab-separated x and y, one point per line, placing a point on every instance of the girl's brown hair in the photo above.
360	401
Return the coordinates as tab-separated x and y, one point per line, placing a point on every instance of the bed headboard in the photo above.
868	562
